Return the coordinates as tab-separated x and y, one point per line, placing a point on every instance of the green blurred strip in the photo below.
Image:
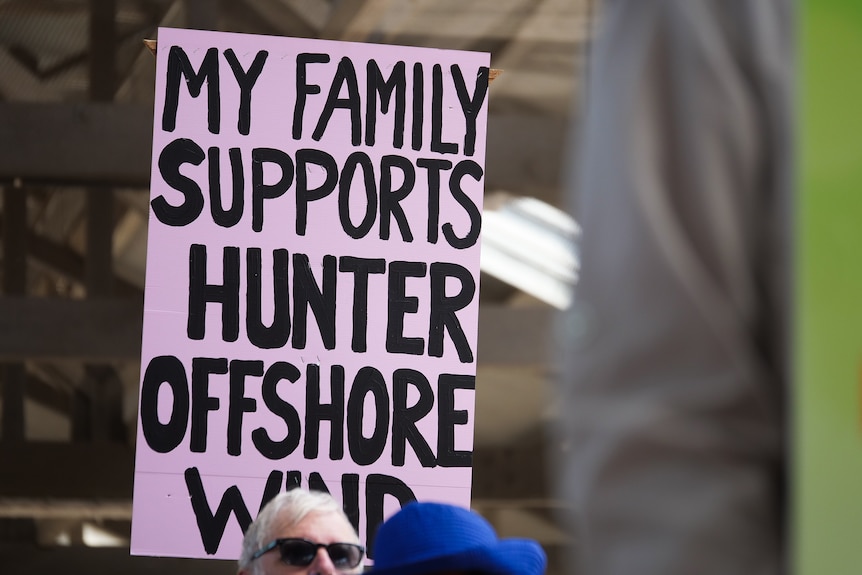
827	489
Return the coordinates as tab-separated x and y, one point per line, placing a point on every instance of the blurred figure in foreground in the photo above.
675	370
440	539
301	533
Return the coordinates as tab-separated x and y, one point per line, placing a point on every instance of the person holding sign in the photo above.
426	538
301	532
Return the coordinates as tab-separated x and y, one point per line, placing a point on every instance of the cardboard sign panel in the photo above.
311	299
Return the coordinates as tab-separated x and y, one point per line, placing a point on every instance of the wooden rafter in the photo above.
110	144
110	330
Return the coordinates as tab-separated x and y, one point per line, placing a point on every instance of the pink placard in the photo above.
311	301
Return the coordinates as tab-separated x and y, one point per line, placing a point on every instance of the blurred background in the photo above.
76	98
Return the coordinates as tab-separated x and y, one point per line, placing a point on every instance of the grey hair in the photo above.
289	508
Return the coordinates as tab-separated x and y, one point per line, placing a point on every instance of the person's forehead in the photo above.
318	526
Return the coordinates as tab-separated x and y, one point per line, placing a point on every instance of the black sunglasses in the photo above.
300	552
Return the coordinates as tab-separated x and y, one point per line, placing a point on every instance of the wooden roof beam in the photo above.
110	144
110	329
